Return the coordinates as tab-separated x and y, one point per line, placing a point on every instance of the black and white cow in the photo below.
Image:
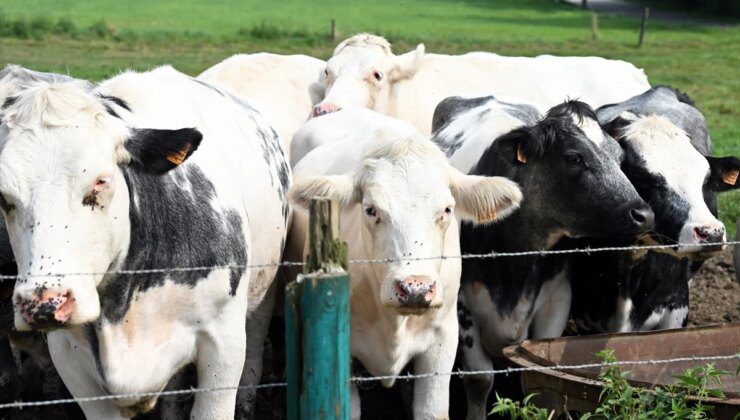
95	179
667	158
572	187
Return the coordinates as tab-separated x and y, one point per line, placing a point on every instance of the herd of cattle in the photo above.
429	155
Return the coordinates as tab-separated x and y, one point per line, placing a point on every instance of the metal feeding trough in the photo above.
579	389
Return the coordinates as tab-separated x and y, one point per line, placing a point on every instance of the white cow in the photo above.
283	87
363	71
101	178
400	200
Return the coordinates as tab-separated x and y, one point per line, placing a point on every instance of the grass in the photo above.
108	36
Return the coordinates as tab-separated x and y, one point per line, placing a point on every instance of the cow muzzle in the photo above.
323	109
45	309
415	293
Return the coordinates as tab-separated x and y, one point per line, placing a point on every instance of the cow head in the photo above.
63	149
405	197
676	180
362	71
572	185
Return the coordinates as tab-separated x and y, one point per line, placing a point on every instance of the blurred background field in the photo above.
95	40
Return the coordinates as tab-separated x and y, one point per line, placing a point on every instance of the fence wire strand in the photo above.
378	260
362	379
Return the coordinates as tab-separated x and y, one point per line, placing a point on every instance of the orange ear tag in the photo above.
178	157
520	155
487	218
730	177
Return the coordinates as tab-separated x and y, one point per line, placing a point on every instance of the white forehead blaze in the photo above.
590	128
667	151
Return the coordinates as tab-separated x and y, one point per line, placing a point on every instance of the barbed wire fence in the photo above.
364	379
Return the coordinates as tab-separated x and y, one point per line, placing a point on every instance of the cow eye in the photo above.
4	204
572	158
370	212
448	210
378	75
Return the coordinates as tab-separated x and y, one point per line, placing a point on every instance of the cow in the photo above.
364	71
145	171
667	157
572	187
283	87
400	201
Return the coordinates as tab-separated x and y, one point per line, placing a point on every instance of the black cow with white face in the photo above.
572	187
667	158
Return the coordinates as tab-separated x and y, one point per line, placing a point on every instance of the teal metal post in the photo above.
317	325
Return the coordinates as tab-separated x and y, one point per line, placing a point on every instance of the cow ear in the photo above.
405	65
482	199
158	151
329	187
518	146
615	127
724	173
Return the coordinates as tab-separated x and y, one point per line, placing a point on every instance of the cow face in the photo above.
676	180
62	191
572	185
405	198
362	70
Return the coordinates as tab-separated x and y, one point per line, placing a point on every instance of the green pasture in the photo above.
97	39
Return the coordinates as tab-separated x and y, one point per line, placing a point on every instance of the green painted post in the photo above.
317	324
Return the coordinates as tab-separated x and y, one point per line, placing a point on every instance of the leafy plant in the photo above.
524	410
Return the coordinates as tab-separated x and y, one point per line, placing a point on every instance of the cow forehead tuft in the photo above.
40	103
364	40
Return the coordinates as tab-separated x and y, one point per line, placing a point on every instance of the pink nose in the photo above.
51	309
415	291
323	109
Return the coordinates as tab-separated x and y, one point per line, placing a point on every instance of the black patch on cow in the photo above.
157	151
10	100
172	226
116	100
657	281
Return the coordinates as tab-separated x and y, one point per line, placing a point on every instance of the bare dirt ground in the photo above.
714	292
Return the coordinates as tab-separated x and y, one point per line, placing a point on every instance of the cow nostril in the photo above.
642	217
701	234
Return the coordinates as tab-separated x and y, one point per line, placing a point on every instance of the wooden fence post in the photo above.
317	323
584	4
643	25
594	26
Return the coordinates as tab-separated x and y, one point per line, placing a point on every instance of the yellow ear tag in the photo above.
730	177
487	218
178	157
520	155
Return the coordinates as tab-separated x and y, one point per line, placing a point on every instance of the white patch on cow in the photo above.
667	151
590	128
620	320
474	142
552	307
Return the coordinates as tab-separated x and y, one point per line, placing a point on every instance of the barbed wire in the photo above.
380	260
359	379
